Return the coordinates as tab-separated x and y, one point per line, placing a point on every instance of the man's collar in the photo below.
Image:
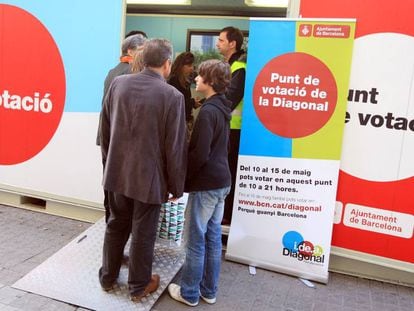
235	56
153	73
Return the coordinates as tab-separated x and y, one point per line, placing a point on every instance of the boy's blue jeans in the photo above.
201	270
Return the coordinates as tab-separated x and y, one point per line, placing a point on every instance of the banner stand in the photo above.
271	267
359	265
293	119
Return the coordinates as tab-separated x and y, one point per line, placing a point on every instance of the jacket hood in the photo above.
220	102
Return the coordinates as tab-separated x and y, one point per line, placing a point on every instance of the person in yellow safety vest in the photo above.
229	44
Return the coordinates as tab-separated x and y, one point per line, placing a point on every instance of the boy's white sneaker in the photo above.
209	300
175	292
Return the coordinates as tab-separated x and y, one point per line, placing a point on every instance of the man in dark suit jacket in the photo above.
143	147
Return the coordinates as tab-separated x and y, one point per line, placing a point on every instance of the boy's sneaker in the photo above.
209	300
175	292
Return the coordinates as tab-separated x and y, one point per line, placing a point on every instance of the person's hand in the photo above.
197	102
172	198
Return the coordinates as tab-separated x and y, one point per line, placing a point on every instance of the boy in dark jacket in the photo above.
208	182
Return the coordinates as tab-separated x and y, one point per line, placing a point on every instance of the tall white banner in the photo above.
293	119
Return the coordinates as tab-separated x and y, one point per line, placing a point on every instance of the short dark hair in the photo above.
156	52
215	73
234	34
136	32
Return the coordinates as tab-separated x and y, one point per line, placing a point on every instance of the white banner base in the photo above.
251	261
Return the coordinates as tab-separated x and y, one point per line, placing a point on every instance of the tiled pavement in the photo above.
28	238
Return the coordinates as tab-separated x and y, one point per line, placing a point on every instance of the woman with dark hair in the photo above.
181	78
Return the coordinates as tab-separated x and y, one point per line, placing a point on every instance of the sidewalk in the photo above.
28	238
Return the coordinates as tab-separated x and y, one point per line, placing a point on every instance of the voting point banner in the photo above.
293	119
375	201
54	56
29	113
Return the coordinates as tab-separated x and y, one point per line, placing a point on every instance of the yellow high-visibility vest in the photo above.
236	115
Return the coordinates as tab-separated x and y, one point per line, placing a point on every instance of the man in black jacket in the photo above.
229	44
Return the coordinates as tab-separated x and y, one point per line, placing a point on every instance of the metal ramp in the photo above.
71	275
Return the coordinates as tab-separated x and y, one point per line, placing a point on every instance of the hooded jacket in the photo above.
208	166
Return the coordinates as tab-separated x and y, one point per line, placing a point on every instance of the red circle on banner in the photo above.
294	95
306	248
32	85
